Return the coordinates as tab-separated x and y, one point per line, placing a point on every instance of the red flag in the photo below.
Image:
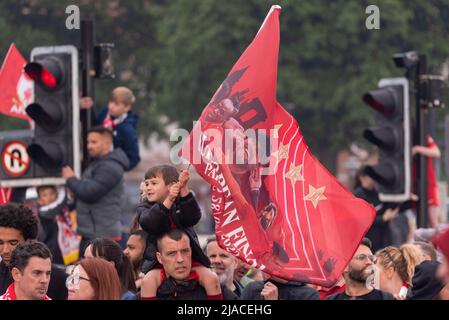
285	214
5	195
16	87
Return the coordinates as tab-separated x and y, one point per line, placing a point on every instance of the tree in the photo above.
175	54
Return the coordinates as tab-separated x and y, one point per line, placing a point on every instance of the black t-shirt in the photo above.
291	290
372	295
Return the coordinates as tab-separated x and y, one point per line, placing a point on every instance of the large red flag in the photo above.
16	88
285	214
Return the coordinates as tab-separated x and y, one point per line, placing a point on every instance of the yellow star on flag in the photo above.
281	153
315	195
294	174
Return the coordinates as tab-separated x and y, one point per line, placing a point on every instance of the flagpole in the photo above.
273	7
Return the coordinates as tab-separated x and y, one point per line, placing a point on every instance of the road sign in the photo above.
15	159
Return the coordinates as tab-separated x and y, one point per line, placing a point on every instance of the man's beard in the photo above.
5	262
360	275
225	277
136	263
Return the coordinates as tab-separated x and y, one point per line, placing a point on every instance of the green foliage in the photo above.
174	54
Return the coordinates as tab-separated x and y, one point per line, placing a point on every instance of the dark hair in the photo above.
135	225
19	217
25	251
366	242
102	131
110	250
103	278
168	173
41	188
174	234
427	248
209	239
140	233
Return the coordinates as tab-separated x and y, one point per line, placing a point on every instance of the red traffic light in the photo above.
47	72
384	100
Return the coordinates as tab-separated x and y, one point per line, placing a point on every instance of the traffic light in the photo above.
392	137
55	110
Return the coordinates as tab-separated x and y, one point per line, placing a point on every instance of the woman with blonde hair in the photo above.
396	268
93	279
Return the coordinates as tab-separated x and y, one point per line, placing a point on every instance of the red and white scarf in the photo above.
11	295
111	123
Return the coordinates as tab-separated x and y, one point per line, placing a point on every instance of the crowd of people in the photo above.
415	271
163	260
46	255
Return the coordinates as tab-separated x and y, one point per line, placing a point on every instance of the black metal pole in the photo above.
87	72
421	127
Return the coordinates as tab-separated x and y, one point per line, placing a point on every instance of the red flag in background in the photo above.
286	215
5	195
16	89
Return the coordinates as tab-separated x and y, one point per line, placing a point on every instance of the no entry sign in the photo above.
15	159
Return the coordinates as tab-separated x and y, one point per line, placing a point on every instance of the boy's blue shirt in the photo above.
125	136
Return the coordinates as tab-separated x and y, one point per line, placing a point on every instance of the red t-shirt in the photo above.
431	177
432	188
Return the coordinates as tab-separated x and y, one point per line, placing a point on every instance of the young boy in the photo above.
169	204
119	118
51	203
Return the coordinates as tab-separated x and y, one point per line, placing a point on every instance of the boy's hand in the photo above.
174	191
184	177
86	103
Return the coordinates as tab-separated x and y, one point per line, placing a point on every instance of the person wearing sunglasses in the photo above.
93	279
358	276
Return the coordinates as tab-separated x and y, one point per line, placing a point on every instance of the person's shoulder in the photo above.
384	294
228	294
255	284
252	288
128	295
336	296
132	117
301	291
130	121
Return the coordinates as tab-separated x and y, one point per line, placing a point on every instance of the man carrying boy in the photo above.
121	120
178	279
171	205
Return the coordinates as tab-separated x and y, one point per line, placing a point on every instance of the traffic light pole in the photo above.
421	131
87	73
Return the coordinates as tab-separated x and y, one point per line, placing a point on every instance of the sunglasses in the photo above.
363	256
73	280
